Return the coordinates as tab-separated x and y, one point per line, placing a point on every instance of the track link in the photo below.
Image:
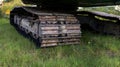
46	28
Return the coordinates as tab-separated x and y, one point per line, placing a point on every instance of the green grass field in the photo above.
95	50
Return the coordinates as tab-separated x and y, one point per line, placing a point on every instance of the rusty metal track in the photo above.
46	28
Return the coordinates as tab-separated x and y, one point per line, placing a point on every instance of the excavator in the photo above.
57	22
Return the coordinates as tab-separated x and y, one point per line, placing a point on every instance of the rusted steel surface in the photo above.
47	28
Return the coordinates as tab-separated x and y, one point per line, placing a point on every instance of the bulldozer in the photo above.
57	22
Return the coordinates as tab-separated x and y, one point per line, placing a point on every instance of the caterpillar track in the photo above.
56	22
100	22
46	28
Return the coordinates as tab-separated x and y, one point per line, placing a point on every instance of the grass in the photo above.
95	50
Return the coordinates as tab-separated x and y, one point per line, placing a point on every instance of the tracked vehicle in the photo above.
56	22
